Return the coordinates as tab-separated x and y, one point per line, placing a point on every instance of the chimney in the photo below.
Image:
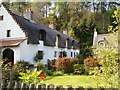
65	31
51	25
94	37
29	14
95	33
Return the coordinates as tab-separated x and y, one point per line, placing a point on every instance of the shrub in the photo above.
31	77
20	66
108	71
58	73
48	72
65	64
51	64
39	56
40	66
6	68
91	62
78	69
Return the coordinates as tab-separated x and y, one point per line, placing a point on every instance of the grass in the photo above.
74	80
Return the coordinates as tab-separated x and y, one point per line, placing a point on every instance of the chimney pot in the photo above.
65	31
51	25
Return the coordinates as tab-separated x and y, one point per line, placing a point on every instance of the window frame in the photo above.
1	18
8	33
71	54
55	54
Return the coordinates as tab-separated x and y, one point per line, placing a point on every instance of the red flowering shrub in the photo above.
65	64
91	62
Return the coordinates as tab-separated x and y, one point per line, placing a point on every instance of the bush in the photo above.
79	69
11	72
58	73
20	66
91	62
31	77
39	56
48	72
65	64
40	66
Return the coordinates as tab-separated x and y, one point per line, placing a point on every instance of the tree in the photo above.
109	55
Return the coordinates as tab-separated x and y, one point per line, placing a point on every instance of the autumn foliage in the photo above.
65	64
91	62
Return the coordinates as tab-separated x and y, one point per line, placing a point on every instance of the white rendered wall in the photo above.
8	23
28	52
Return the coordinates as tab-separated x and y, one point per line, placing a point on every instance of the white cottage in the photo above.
105	40
21	39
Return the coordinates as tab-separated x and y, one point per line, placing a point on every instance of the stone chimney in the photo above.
65	31
51	25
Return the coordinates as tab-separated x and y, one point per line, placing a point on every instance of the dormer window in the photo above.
8	33
67	43
101	43
1	18
42	35
73	44
57	40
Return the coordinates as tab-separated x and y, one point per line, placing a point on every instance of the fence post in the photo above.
59	87
0	85
8	86
32	86
50	87
69	87
38	87
24	86
41	87
16	86
89	88
79	88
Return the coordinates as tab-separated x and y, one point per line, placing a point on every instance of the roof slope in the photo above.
106	38
32	31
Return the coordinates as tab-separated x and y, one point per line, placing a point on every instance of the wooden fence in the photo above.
33	86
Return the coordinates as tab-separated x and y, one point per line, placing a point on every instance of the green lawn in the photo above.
75	80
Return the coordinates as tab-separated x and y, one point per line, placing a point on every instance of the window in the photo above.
8	33
101	43
71	54
57	40
1	18
67	43
55	53
41	36
74	55
73	44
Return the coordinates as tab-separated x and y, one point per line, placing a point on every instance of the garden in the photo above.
94	72
99	70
